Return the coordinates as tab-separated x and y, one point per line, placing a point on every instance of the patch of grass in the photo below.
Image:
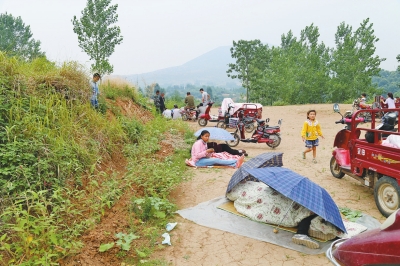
351	215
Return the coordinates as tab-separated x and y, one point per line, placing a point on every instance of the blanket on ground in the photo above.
221	155
261	203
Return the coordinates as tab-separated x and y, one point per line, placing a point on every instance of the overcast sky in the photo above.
164	33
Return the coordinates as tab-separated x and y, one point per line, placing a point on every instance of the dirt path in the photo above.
193	244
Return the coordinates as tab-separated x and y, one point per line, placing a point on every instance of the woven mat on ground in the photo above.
229	207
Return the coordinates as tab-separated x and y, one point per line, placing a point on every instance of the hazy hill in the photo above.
207	69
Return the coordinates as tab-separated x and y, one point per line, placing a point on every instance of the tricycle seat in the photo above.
273	127
260	121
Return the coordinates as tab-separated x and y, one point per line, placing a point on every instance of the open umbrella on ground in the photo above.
301	190
268	159
216	133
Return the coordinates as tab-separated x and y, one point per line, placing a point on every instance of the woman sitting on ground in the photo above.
201	155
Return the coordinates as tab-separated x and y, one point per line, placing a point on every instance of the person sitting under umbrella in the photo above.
202	155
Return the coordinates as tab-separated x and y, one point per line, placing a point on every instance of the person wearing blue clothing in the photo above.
95	90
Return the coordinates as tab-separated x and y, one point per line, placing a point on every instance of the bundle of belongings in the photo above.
265	192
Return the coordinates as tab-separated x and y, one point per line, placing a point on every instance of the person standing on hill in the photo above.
309	133
189	101
162	102
156	99
95	90
205	97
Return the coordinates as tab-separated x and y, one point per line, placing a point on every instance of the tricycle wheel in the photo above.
221	124
335	168
249	127
276	141
234	143
387	195
202	122
184	117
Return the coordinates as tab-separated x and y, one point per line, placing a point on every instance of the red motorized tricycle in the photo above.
361	154
249	111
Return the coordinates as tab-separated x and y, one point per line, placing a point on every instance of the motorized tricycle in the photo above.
365	159
263	133
247	120
229	109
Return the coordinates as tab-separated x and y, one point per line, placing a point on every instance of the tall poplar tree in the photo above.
246	55
97	34
353	62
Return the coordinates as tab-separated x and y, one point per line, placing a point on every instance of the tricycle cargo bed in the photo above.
253	110
369	154
376	157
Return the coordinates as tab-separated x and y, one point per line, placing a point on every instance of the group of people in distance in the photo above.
390	102
175	113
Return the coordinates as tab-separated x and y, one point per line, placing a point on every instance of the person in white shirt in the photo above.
390	103
389	100
201	109
167	113
176	112
205	97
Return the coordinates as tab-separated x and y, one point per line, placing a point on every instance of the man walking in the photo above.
95	90
205	97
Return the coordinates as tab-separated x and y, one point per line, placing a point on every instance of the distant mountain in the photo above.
208	69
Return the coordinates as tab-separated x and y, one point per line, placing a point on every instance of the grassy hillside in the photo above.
64	165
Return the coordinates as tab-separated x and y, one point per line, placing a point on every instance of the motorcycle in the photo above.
263	133
362	106
188	114
247	120
204	118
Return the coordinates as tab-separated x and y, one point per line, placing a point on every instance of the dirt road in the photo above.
193	244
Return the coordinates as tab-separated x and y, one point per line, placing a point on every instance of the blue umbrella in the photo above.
301	190
216	133
268	159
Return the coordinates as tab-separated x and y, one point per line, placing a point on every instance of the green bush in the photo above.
148	208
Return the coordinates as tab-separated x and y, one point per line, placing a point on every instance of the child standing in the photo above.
310	132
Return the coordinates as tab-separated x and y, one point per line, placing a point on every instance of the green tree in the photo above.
16	38
96	35
296	72
353	62
246	54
